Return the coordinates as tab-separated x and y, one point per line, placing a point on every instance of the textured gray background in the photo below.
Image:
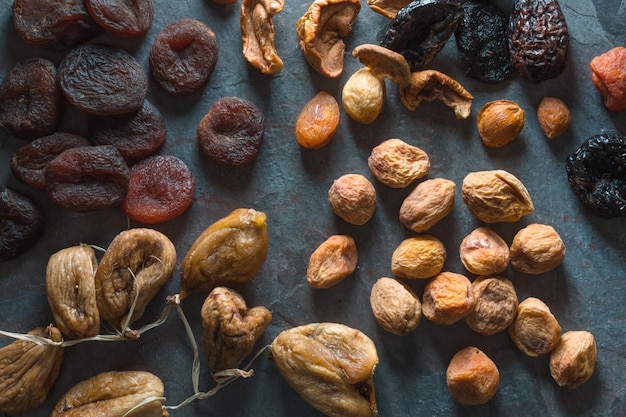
290	184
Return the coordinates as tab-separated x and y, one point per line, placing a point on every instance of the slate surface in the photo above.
290	184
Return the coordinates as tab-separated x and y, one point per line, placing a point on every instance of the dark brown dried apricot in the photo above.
102	80
87	178
21	223
183	56
120	17
29	162
161	187
30	100
136	135
232	131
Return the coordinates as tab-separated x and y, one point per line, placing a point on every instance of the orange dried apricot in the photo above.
317	122
608	77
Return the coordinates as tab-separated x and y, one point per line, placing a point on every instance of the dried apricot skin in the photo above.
317	122
608	77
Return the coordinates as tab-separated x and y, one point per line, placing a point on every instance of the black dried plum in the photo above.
30	100
87	178
29	162
538	39
183	56
53	24
596	172
122	17
421	29
102	80
482	40
21	223
136	135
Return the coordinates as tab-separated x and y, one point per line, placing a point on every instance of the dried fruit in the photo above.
538	39
317	122
535	330
114	394
331	366
499	122
483	252
537	248
397	164
447	298
573	360
427	204
495	305
332	261
229	328
122	18
496	196
596	174
395	306
71	290
28	370
387	8
607	75
383	63
353	198
472	377
21	223
257	34
232	131
554	117
230	251
183	56
137	263
418	257
363	96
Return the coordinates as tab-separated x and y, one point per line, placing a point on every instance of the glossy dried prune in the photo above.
21	223
596	174
102	80
232	131
161	188
125	18
481	39
538	39
87	178
53	24
136	135
421	29
183	56
29	162
30	100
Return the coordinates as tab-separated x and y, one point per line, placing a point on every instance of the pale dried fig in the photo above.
535	330
573	360
427	204
332	261
395	306
397	164
418	257
495	305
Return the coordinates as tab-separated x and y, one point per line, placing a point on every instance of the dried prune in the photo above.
125	18
481	39
87	178
232	131
29	162
136	135
53	24
538	39
183	56
596	174
30	100
161	188
102	80
21	223
421	29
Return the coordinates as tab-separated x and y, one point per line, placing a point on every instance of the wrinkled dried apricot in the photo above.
607	75
21	223
120	17
318	121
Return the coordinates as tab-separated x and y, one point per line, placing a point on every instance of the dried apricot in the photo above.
125	18
21	223
318	121
608	77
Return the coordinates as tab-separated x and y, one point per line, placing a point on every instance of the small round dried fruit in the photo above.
332	261
447	298
536	249
397	164
483	252
353	198
21	223
499	122
317	122
363	96
472	377
427	204
495	305
395	306
607	75
535	330
121	17
554	117
418	257
573	360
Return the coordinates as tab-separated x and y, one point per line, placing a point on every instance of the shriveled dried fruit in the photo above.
383	63
447	298
28	370
331	366
499	122
353	198
363	96
257	34
596	174
317	122
418	257
554	117
21	223
137	263
230	251
484	252
535	330
495	305
573	360
537	248
427	204
121	17
496	196
538	39
387	8
397	164
607	75
229	328
395	306
332	261
114	394
472	377
71	291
